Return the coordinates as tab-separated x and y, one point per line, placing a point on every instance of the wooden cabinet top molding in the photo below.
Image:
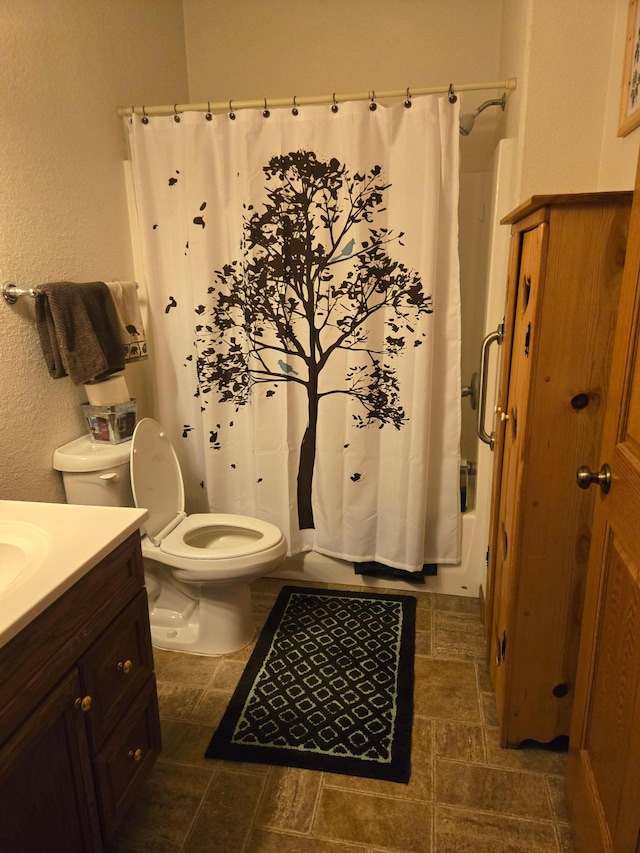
537	201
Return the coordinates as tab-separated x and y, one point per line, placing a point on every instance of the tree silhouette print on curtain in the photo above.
306	287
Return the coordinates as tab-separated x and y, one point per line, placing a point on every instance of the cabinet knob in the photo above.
135	755
125	666
83	704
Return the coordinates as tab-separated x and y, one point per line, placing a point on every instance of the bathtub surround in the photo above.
328	687
304	303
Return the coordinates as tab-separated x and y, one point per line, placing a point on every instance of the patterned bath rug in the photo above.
329	686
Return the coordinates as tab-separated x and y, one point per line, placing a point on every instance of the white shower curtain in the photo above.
303	283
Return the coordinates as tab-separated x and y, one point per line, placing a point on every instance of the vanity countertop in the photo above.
46	547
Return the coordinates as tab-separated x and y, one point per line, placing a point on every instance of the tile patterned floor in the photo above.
466	794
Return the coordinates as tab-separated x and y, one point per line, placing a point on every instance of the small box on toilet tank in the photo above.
113	424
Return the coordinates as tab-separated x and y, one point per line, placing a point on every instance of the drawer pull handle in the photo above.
83	704
125	666
135	755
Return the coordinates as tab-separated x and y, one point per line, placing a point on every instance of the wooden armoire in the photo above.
565	269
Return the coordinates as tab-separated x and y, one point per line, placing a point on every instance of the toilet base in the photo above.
217	620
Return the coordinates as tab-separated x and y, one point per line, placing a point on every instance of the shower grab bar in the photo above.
491	338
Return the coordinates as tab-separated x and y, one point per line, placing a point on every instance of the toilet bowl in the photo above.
198	568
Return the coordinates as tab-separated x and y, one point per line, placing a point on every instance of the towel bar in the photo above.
12	292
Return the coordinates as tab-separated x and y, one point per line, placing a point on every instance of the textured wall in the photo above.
280	49
564	114
65	68
67	65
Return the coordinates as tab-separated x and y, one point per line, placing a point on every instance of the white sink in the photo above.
46	547
23	549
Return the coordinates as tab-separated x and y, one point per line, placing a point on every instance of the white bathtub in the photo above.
461	579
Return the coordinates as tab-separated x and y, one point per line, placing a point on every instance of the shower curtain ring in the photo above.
334	107
208	115
452	95
265	111
232	115
373	106
176	117
407	103
294	111
145	117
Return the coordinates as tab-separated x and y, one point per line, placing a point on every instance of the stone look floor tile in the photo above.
191	670
226	815
420	786
557	796
228	675
185	742
457	604
458	831
483	799
162	814
459	741
457	635
289	799
267	841
423	642
484	676
534	759
178	701
446	689
398	825
212	705
565	839
489	710
477	788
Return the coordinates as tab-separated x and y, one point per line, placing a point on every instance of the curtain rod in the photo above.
307	100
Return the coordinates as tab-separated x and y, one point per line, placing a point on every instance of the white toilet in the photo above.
198	568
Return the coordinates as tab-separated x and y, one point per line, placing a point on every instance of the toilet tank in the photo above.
95	473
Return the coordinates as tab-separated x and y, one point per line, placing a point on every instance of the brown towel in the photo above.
78	329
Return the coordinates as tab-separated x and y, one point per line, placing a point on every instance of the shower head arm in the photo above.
467	121
496	102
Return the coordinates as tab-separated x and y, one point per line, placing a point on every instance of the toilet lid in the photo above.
156	479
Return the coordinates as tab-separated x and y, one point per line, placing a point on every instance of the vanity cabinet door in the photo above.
116	668
126	758
47	797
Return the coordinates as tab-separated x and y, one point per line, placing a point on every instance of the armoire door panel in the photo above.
564	282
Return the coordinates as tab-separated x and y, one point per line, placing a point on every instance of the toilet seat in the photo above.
201	540
225	537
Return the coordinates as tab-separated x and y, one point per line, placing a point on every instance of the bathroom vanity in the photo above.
79	722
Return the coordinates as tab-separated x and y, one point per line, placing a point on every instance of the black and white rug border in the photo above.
396	769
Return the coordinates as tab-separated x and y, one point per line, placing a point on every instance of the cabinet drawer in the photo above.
126	758
115	668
